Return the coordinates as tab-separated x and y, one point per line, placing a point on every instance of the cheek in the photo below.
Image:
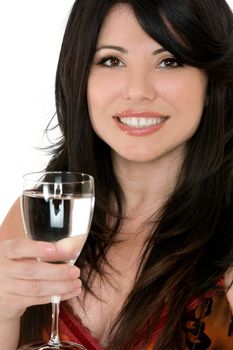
195	95
186	95
101	90
95	94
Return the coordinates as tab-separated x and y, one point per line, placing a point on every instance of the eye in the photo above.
170	62
111	61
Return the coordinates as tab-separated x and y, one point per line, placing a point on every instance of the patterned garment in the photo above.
206	328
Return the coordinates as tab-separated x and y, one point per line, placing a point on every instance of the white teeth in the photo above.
141	122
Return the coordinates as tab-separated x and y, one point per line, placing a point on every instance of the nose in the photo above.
139	86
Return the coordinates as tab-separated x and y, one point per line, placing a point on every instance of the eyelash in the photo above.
171	60
103	61
167	62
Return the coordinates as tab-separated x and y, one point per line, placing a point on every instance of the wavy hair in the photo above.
190	246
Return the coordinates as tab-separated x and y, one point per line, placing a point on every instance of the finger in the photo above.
35	270
47	299
27	248
36	288
11	301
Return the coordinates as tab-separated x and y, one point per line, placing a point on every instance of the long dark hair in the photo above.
191	245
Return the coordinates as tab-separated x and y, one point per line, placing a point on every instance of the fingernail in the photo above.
49	248
74	272
77	284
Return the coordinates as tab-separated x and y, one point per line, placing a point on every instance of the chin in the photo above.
139	158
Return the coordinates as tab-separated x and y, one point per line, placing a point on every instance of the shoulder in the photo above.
12	226
228	280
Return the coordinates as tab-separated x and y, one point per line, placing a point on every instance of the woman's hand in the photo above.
25	281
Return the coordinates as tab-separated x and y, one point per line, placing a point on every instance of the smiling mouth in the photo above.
137	122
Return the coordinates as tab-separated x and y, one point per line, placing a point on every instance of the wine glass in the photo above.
57	207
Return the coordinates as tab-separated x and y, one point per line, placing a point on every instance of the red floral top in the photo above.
208	328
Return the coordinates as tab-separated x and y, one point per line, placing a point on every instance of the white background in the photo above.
30	36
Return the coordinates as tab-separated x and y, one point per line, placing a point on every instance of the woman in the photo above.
144	102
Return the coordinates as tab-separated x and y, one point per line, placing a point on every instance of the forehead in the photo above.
121	22
121	25
119	18
118	11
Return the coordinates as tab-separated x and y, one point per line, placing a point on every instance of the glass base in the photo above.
64	345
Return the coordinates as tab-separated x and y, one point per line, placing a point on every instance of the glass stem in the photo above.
54	339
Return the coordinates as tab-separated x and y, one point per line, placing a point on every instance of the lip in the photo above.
139	114
137	131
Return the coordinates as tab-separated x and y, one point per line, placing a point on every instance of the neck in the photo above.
147	185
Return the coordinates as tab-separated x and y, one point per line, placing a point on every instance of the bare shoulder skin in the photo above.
12	225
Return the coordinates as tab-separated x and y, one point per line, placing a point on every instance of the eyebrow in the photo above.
158	51
121	49
112	47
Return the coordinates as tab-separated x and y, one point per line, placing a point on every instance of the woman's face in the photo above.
142	102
